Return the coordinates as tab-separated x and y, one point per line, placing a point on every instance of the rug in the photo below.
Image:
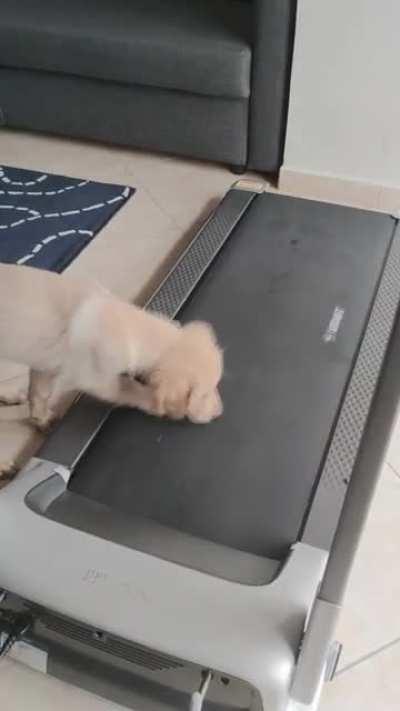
46	220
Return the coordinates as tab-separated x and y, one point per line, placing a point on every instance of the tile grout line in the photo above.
366	657
160	207
393	469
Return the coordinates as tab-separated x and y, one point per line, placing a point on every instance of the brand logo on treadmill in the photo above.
334	325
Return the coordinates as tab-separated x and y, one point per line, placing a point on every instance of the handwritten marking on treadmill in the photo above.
134	592
92	576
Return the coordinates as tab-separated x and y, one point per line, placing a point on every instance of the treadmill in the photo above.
170	566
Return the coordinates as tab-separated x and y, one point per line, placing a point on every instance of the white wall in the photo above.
344	116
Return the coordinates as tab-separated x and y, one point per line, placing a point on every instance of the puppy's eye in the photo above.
131	375
127	375
141	378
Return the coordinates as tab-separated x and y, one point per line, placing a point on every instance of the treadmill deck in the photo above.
289	296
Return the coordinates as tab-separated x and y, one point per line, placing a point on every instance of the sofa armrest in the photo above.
274	22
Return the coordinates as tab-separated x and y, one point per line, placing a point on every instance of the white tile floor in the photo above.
172	197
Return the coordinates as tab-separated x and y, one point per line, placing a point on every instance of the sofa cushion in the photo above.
199	46
206	127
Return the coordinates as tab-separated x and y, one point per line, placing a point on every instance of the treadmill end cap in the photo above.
250	186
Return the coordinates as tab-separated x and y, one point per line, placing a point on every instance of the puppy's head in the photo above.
187	376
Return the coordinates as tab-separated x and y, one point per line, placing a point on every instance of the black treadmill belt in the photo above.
289	296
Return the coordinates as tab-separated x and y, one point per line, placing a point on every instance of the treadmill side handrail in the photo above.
323	518
365	476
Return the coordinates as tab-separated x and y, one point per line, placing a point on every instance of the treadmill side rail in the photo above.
140	598
350	428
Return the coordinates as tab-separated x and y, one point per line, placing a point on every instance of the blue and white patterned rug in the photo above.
46	220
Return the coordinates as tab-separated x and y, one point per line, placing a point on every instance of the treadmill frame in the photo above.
312	581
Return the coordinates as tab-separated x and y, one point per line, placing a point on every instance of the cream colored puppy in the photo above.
75	336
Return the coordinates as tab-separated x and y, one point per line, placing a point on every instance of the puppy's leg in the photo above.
50	395
12	392
131	393
62	396
41	386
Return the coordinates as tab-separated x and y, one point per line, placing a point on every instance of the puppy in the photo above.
75	336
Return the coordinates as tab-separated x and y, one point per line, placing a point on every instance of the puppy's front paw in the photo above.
42	416
8	470
204	407
170	396
43	424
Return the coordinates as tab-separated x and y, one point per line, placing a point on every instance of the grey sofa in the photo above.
201	78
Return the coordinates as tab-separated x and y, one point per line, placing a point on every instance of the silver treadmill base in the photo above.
247	634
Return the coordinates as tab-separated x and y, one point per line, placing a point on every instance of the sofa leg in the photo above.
238	169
